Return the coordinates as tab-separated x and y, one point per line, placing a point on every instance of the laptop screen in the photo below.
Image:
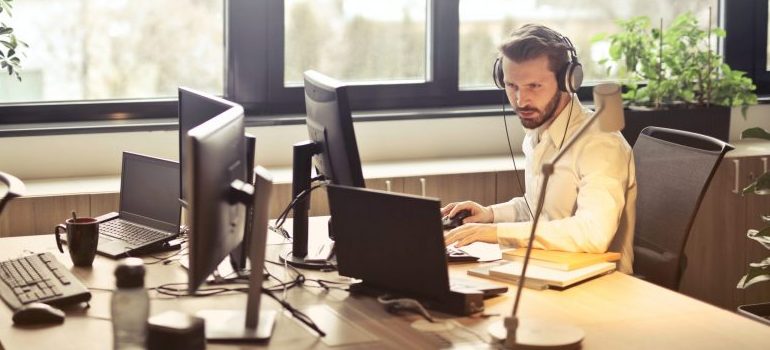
149	192
390	241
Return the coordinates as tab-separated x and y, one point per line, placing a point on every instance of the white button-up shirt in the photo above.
590	202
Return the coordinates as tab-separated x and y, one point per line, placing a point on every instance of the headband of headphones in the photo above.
569	77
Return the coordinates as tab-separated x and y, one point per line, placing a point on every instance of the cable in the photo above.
569	117
393	305
296	313
515	169
278	228
405	304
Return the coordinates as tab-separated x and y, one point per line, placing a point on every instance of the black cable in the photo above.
278	227
159	259
295	313
569	117
515	169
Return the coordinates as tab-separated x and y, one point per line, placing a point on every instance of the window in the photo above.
356	40
116	49
118	59
482	28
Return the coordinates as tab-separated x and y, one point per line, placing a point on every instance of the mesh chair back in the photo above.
673	171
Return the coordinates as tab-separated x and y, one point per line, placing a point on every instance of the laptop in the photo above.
149	211
394	243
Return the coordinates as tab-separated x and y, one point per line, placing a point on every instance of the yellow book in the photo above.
564	261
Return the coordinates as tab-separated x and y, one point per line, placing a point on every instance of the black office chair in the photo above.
673	171
13	188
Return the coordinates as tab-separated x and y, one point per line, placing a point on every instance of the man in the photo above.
591	196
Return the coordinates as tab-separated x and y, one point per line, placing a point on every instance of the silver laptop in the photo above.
149	211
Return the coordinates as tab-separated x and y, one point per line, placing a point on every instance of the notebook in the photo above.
394	242
565	261
539	277
149	211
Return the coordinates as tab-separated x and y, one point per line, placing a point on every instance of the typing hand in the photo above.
469	233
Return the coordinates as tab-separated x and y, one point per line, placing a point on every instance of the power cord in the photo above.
407	304
278	227
393	305
302	317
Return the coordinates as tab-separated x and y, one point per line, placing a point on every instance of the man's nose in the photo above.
521	98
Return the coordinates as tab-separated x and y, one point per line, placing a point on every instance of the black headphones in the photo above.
569	77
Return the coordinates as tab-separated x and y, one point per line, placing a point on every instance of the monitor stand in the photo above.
229	325
251	322
298	255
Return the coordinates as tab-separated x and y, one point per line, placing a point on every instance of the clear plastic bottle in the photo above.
130	306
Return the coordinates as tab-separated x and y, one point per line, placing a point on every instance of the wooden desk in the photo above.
616	312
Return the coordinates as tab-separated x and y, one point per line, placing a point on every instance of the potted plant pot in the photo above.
713	121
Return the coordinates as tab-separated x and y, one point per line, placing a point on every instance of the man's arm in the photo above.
603	166
513	210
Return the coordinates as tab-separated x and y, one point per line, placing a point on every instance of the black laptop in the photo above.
149	208
394	243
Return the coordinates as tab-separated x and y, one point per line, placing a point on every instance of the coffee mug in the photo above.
82	238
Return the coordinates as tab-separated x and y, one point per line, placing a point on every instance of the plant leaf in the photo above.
761	186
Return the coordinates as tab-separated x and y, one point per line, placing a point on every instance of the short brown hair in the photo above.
532	41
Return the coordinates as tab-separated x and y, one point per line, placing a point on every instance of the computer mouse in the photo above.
457	220
37	313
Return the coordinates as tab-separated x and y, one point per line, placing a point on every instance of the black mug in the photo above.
82	239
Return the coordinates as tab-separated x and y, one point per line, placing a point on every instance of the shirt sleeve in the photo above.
515	209
603	167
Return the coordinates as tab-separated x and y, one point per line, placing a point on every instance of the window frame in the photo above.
254	57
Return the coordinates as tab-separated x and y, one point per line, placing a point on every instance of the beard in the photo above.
545	115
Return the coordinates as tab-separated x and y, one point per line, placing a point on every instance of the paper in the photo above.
484	251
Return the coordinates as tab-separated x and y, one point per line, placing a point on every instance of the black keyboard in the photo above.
133	234
39	278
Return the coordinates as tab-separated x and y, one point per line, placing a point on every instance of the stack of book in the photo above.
548	268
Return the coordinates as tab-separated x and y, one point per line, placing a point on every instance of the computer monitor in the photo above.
332	149
217	196
195	108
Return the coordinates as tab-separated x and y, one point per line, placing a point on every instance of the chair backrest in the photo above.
673	171
13	188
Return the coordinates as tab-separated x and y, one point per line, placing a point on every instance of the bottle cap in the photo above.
130	273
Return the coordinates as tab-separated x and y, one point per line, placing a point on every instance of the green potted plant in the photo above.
673	78
758	271
11	52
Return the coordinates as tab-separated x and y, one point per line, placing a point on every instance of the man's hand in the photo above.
469	233
479	213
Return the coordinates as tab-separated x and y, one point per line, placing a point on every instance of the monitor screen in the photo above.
195	108
330	125
216	157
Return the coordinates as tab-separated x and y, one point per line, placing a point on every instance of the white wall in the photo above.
40	157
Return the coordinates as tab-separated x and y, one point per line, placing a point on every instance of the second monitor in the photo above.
332	149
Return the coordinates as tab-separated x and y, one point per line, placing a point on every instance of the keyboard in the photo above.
39	278
133	234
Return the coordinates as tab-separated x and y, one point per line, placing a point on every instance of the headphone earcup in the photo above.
497	73
575	77
570	77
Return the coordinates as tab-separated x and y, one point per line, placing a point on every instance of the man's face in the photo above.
532	89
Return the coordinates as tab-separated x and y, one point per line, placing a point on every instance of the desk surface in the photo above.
615	311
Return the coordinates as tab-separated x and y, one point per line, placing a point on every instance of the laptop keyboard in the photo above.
133	234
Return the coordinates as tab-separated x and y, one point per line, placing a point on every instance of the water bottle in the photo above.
130	306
